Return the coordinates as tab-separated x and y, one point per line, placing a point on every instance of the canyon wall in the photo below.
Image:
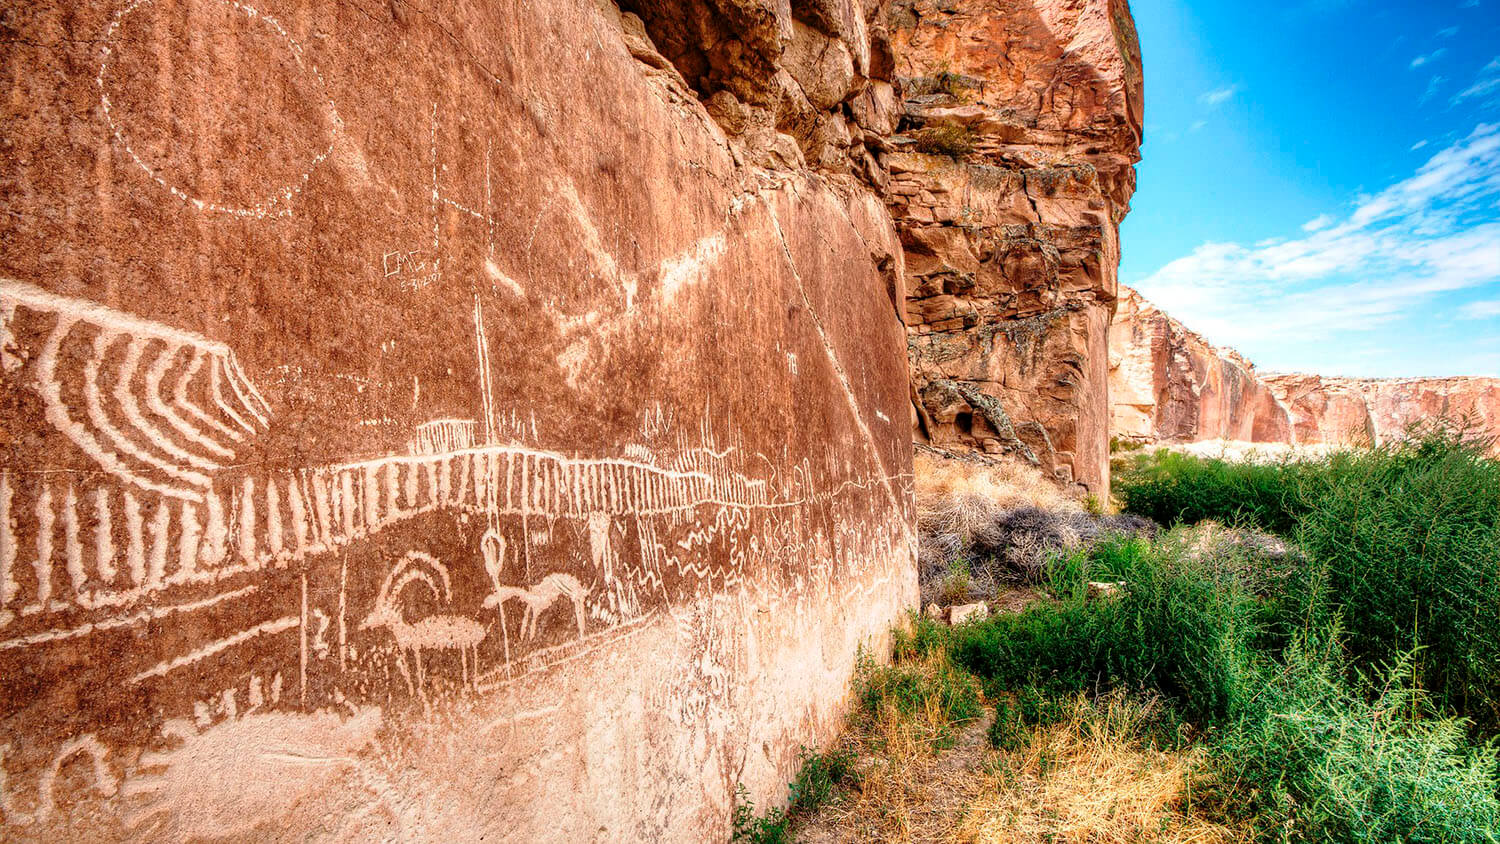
1377	410
1170	385
441	419
1008	180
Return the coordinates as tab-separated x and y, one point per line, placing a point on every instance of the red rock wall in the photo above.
1009	179
1364	410
430	421
1168	384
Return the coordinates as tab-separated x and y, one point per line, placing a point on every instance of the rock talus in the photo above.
1012	170
441	421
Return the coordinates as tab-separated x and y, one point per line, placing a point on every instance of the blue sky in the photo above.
1320	184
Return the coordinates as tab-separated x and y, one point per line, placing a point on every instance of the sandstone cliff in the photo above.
1170	385
1363	410
1010	175
441	421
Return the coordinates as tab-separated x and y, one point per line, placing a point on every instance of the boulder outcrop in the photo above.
1170	385
433	421
1012	170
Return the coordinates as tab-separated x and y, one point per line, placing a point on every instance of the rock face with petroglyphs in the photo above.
1168	384
430	421
1012	170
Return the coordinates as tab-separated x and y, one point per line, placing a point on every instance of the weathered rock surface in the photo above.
1012	172
1365	410
1170	385
439	421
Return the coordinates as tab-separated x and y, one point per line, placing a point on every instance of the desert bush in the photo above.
1179	626
1314	758
951	140
1170	488
1404	543
1401	542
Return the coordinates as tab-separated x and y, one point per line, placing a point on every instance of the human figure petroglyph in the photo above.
540	597
435	632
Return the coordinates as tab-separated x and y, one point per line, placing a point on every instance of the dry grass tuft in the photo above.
1088	777
959	496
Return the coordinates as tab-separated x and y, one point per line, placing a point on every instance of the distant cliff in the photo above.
1168	384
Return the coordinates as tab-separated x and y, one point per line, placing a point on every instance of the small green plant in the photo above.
921	638
950	140
818	779
956	585
1093	504
771	828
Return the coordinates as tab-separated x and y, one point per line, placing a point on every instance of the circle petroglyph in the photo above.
228	115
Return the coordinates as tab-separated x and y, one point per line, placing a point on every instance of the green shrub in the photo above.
1405	549
1177	488
771	828
924	637
1179	627
818	779
1312	759
910	688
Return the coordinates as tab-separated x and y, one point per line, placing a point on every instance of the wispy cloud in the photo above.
1218	96
1447	32
1318	223
1431	233
1433	84
1197	125
1418	145
1486	309
1428	58
1486	86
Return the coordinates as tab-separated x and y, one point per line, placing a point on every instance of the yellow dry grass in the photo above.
956	496
1087	778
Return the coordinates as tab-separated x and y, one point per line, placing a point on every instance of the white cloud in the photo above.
1486	309
1447	32
1197	125
1431	90
1418	145
1396	251
1218	96
1486	85
1429	58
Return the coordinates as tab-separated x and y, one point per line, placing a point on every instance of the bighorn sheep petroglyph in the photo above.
435	632
539	597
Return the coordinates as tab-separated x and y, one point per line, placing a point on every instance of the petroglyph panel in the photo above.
418	423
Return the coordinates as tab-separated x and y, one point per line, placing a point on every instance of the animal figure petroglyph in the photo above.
540	597
435	632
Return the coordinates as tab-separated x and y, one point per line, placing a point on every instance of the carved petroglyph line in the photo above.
443	435
104	780
268	628
439	632
273	205
124	621
166	452
539	597
834	363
